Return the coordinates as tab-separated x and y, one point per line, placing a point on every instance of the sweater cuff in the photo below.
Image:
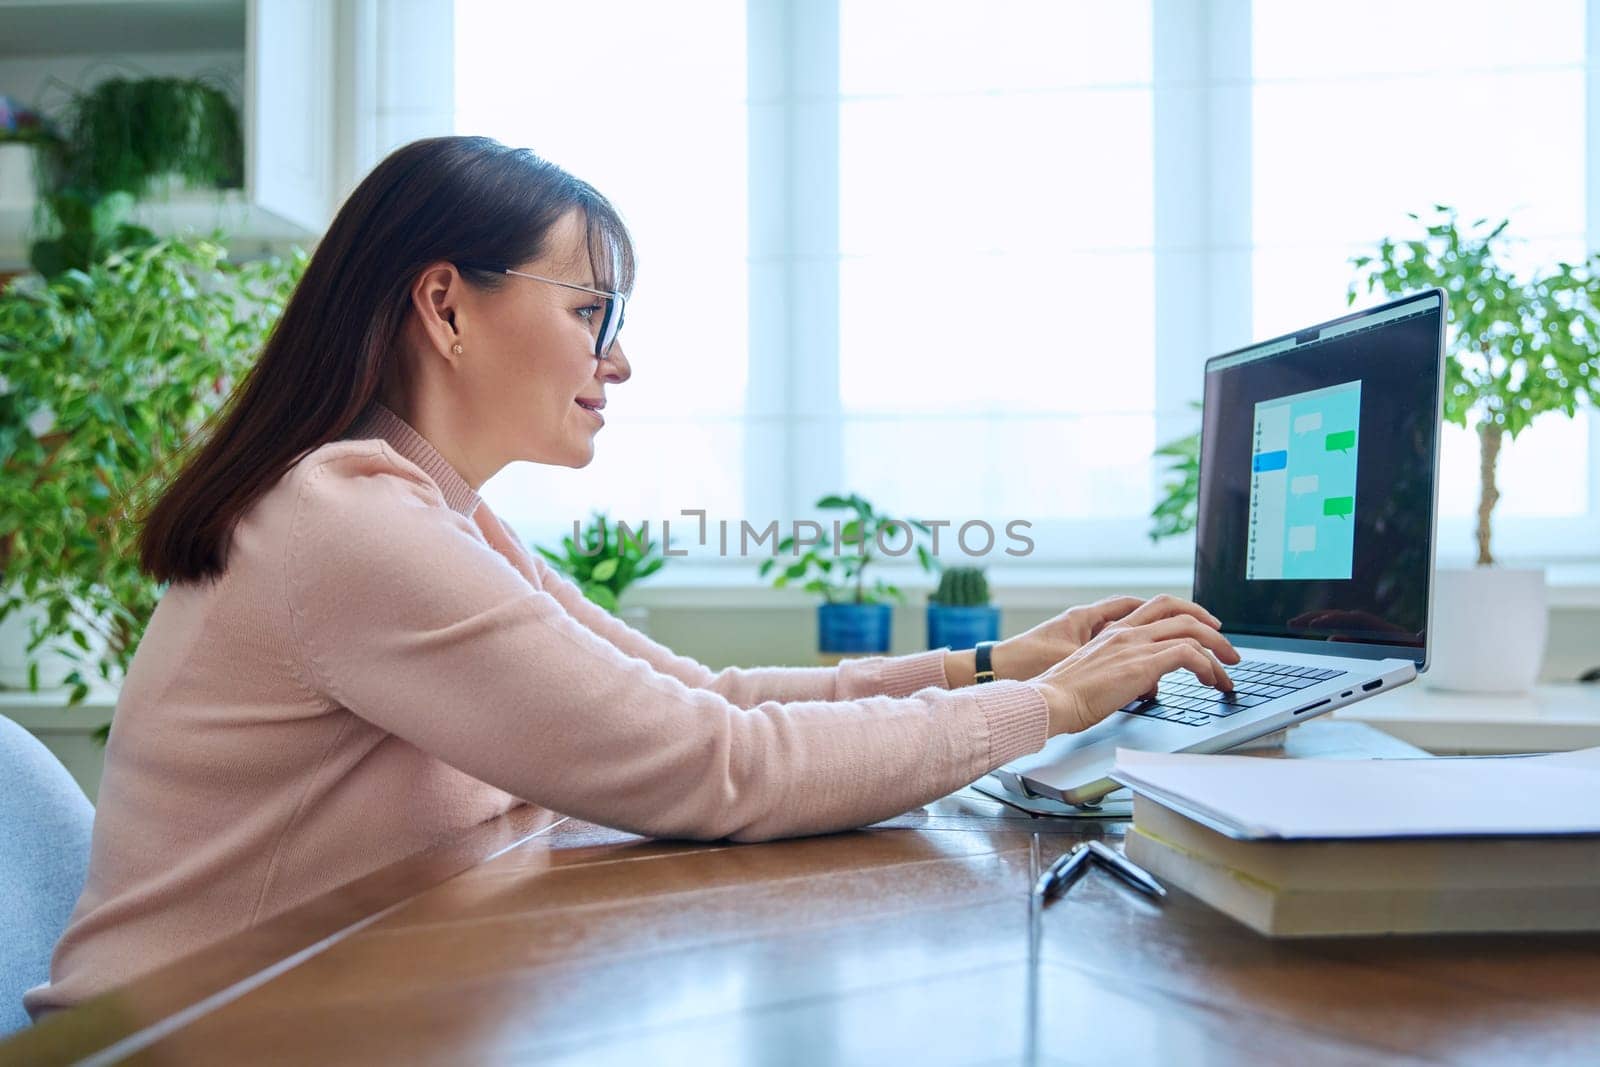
903	675
1017	716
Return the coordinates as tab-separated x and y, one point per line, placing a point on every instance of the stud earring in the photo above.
456	349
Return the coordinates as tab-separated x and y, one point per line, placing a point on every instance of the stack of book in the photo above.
1330	847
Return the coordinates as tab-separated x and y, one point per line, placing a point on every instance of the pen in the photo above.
1126	869
1062	870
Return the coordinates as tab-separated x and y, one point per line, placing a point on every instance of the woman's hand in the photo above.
1034	651
1048	643
1128	656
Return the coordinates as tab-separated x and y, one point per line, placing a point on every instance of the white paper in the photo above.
1249	797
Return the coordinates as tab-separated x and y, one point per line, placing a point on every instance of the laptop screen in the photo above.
1318	475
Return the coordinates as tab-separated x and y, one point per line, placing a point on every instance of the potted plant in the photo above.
106	374
120	142
855	617
87	227
1518	348
604	561
959	612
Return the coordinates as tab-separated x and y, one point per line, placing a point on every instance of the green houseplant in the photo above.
1519	347
959	613
106	374
116	143
125	133
1516	348
855	615
605	560
1174	513
86	228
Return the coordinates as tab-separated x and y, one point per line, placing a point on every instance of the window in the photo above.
1473	104
996	267
968	259
646	102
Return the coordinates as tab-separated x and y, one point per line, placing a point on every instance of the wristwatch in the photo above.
984	668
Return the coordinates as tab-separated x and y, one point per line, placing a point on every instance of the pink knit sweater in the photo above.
383	664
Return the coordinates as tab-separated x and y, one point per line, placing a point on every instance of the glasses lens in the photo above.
610	325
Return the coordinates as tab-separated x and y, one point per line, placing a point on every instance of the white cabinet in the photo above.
278	58
288	112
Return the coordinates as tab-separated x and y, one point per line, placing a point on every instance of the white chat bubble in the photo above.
1307	423
1302	539
1306	483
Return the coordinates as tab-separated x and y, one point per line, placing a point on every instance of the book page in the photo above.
1246	797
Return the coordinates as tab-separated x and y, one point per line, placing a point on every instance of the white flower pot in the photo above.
16	175
1489	626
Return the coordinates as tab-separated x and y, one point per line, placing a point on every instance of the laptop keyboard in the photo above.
1183	698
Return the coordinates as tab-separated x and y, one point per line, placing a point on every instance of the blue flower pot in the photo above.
853	628
962	627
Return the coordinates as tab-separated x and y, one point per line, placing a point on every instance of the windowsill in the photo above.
46	712
700	585
690	585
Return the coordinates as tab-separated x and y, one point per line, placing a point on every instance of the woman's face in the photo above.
527	359
538	359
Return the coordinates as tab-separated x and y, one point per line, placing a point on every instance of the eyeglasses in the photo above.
611	318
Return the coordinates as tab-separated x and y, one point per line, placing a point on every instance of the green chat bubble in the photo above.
1343	441
1339	505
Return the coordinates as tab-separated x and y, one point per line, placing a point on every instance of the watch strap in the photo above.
982	663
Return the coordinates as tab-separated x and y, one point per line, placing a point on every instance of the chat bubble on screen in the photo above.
1342	506
1265	462
1343	441
1306	483
1307	423
1302	539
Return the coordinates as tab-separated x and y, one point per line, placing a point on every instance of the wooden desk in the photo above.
531	941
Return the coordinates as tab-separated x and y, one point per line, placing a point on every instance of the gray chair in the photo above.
44	855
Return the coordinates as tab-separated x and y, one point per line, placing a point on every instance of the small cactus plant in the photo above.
962	587
959	612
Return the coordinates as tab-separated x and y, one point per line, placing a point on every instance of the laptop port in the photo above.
1311	707
1370	686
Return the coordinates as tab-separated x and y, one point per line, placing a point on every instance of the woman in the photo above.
355	658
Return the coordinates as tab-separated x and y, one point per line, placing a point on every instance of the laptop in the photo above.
1314	541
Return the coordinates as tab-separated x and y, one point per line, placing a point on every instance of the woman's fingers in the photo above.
1190	653
1164	606
1184	652
1188	626
1109	610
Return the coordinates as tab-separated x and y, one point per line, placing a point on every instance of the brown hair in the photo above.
468	200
